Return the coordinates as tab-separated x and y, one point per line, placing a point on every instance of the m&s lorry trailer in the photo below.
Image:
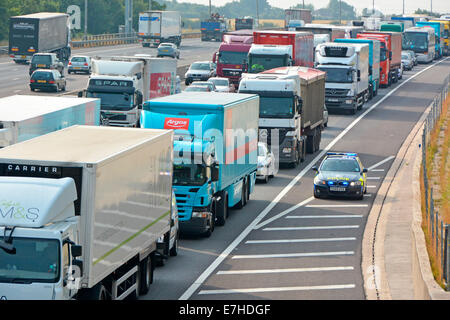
215	153
374	62
156	27
26	117
291	110
347	69
81	212
123	83
273	49
39	33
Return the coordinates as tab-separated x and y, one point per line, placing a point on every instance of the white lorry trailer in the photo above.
290	111
25	117
156	27
347	69
81	212
124	83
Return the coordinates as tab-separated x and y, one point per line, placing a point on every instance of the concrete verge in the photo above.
395	261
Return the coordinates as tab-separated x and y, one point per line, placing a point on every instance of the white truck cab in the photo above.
263	57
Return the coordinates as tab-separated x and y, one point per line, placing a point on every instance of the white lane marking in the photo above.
377	170
263	271
210	269
285	212
381	162
293	255
373	178
310	228
367	195
326	217
279	289
371	186
300	240
337	206
16	91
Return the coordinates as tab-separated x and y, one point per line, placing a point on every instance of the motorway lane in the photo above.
323	252
14	78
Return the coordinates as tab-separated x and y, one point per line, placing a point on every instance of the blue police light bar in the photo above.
342	154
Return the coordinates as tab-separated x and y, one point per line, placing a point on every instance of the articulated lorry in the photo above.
39	33
291	110
272	49
213	29
374	62
393	45
26	117
331	31
438	34
123	83
445	42
347	69
232	55
244	24
395	26
408	22
215	153
297	14
421	41
82	211
156	27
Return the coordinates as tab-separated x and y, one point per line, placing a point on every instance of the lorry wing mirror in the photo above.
139	98
77	251
359	75
215	173
139	76
80	94
390	55
299	104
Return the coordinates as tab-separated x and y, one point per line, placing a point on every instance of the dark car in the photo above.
340	174
168	50
46	61
47	80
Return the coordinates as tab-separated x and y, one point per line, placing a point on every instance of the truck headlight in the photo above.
350	93
200	212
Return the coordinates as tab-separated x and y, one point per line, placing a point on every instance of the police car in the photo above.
340	174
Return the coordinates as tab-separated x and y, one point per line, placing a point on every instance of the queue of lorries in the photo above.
95	189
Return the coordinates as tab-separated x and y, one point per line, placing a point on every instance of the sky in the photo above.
386	6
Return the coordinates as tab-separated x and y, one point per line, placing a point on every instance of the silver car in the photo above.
407	60
222	84
168	50
200	71
79	64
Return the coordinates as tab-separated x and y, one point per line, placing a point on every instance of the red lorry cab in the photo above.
394	45
384	56
232	54
302	44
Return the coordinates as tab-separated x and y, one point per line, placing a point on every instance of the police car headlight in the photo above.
355	183
317	181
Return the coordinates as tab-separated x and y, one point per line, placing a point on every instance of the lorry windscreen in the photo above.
338	75
276	107
189	174
259	63
35	260
113	101
232	57
416	41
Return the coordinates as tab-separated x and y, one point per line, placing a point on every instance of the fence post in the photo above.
447	258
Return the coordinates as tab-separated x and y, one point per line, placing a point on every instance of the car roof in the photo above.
201	82
342	155
218	78
79	56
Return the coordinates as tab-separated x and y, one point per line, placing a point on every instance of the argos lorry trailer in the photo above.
215	153
26	117
82	210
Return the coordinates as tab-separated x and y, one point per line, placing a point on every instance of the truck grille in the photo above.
336	93
271	135
232	73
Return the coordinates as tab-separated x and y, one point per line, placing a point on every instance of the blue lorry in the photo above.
439	35
213	29
374	62
215	153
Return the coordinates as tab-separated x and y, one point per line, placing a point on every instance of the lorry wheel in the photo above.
222	209
212	223
241	203
145	275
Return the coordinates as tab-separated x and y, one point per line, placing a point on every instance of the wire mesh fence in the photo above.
438	230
